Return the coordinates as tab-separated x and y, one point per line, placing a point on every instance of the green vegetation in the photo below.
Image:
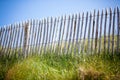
61	67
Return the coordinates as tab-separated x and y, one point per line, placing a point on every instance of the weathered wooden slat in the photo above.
18	38
44	25
7	41
110	21
88	50
56	32
53	33
105	24
66	43
2	33
62	42
93	32
38	36
3	40
77	36
59	37
47	29
31	36
96	36
41	33
118	30
83	45
35	36
81	32
21	37
50	33
10	35
14	40
70	35
113	29
25	38
74	33
99	50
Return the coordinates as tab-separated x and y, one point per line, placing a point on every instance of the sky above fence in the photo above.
12	11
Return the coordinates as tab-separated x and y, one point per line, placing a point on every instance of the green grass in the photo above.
62	67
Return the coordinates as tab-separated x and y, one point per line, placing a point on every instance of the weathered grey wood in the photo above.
113	29
83	45
41	33
96	36
14	40
110	21
35	36
52	43
56	32
105	23
50	33
7	40
3	41
118	30
65	47
46	40
2	33
88	50
21	37
11	39
70	35
18	38
31	36
43	44
78	32
25	39
38	36
81	32
93	32
100	32
59	37
74	33
64	25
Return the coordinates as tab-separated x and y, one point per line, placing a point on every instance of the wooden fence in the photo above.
80	33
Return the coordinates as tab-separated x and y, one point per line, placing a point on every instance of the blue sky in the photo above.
12	11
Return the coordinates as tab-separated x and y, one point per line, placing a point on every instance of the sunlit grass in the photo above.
61	67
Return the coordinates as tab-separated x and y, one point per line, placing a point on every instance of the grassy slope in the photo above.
63	67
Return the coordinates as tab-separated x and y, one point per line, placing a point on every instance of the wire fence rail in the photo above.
75	34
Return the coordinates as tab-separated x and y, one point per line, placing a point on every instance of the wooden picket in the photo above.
75	34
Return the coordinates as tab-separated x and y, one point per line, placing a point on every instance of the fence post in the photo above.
53	31
66	43
100	33
25	39
89	33
110	19
74	32
96	36
81	32
61	48
77	36
70	34
83	45
50	33
105	31
93	31
118	32
113	28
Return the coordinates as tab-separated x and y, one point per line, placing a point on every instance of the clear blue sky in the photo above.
12	11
